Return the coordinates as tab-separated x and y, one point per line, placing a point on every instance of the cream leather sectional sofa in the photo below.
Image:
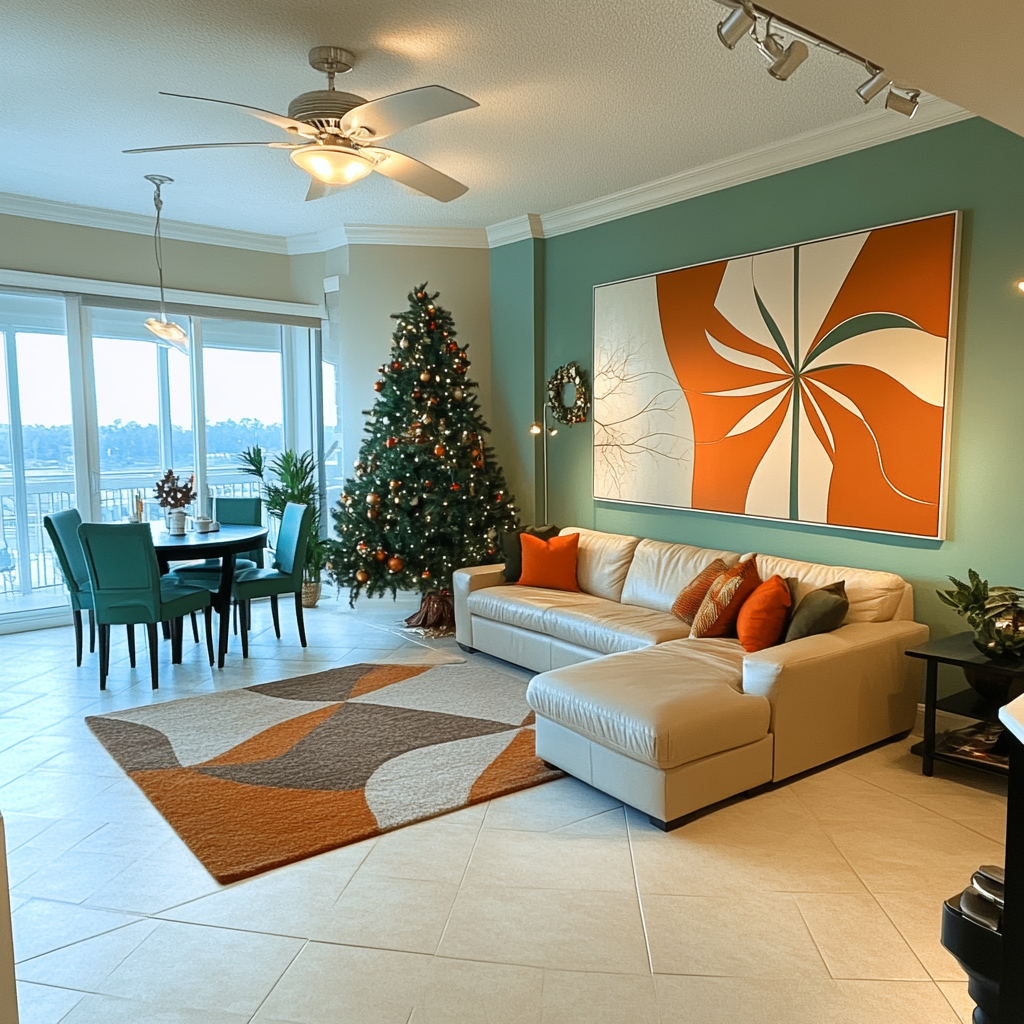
628	703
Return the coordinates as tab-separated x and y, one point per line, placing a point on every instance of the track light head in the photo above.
874	85
788	60
536	428
904	103
736	25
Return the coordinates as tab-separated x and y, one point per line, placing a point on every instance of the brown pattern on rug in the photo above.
252	779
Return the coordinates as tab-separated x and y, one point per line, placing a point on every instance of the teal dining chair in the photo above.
284	578
62	529
127	588
230	512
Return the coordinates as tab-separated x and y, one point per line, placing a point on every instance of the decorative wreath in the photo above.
571	373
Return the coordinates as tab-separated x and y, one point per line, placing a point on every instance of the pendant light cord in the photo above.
158	250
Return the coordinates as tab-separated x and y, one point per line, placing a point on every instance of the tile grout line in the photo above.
270	991
636	888
465	871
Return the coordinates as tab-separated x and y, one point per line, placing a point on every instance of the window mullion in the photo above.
18	464
196	378
163	384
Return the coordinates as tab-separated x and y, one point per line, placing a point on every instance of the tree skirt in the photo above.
262	776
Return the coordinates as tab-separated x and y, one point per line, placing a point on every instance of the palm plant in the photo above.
290	477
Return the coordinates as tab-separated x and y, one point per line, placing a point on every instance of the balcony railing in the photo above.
40	584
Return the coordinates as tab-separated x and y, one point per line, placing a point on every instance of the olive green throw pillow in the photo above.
512	548
820	611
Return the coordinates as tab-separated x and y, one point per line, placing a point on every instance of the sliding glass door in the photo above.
36	447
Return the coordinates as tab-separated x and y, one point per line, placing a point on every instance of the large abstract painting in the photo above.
810	383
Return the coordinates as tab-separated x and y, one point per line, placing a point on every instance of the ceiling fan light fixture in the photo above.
788	60
903	101
333	165
736	25
874	85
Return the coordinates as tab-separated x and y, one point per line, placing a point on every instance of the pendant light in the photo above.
165	330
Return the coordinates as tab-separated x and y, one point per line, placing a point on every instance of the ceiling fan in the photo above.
340	131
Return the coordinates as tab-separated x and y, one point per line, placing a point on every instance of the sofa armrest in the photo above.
464	582
836	692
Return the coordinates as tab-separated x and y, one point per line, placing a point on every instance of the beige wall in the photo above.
46	247
375	281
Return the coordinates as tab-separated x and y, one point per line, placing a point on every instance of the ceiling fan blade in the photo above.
215	145
318	190
287	123
378	119
423	179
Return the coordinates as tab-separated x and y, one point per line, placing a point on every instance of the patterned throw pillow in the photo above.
686	604
717	613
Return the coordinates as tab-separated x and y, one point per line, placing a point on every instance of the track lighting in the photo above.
736	25
788	60
768	31
903	101
874	85
1020	285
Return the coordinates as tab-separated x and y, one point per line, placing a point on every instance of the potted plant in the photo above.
995	615
291	477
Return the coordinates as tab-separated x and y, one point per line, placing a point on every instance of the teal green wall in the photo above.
517	368
972	166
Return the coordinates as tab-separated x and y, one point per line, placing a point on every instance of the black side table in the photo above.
959	650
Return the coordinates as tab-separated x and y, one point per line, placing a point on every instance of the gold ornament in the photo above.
395	564
373	499
362	576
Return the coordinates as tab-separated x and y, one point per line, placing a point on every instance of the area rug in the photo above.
262	776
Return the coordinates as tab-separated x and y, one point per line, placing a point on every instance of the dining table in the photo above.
224	543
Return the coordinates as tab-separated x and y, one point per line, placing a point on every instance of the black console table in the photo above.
958	650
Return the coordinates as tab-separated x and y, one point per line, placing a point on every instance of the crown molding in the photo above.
316	241
136	223
388	234
872	128
515	230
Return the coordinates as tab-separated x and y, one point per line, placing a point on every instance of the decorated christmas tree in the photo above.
427	497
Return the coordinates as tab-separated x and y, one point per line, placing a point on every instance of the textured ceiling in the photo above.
577	100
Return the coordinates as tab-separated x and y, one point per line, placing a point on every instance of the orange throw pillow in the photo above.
762	618
717	613
686	604
550	563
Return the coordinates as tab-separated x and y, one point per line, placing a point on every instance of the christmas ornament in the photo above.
396	366
362	576
416	394
362	547
380	554
378	385
457	394
439	451
391	442
425	575
372	513
395	484
404	343
372	499
395	564
424	376
456	487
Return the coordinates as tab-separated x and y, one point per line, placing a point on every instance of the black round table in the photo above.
224	544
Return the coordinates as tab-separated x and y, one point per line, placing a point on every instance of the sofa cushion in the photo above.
691	597
512	548
717	613
581	619
762	619
550	563
665	705
820	611
660	570
873	596
603	561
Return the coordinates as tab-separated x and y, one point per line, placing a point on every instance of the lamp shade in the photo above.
333	165
169	331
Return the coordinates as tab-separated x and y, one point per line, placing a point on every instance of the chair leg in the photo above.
242	610
166	628
131	644
92	631
177	628
273	611
235	618
77	616
208	616
104	655
154	661
195	627
298	618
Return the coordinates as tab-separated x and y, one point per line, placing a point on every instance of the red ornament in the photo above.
497	497
456	487
460	369
362	576
432	325
362	547
452	347
491	551
425	574
378	385
391	442
395	564
416	394
372	513
427	485
396	365
439	451
380	554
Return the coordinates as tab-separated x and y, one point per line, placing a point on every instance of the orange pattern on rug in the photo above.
256	778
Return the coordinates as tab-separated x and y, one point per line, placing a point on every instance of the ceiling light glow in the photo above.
333	165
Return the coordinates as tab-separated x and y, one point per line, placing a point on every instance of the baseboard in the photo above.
944	720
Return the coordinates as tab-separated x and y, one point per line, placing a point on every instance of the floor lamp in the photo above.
541	427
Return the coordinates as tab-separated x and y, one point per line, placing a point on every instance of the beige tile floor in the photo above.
816	902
